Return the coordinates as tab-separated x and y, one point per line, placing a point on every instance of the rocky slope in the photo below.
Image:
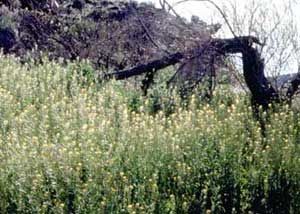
111	34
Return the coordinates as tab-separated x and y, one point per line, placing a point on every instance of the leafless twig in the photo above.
217	7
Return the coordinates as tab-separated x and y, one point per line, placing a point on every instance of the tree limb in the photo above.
148	67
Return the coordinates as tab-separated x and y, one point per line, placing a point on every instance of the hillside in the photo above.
111	34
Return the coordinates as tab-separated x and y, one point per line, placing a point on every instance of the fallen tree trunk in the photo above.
145	68
261	90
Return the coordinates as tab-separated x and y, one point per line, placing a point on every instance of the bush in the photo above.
67	147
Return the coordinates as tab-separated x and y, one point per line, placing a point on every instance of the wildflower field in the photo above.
71	145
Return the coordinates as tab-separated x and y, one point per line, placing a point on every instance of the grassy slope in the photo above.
70	146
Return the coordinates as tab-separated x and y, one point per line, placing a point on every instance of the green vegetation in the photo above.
72	145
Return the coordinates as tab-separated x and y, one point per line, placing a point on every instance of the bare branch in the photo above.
217	7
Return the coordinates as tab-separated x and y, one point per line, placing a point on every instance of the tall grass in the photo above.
69	145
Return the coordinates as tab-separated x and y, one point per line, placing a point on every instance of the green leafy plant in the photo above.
69	147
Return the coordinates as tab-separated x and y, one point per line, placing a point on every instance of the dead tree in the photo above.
262	92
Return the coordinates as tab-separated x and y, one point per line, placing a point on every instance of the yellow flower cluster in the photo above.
66	146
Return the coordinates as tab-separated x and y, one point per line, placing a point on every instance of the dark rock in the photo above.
78	4
95	15
105	3
32	4
7	39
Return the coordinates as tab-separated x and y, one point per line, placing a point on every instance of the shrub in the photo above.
68	147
